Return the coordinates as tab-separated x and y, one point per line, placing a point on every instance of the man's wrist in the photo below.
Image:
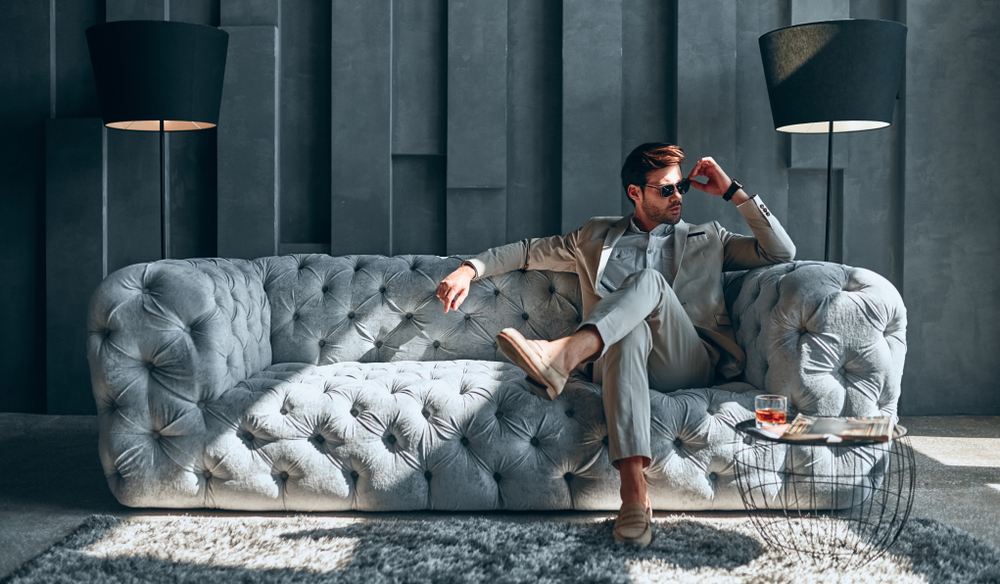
470	269
740	197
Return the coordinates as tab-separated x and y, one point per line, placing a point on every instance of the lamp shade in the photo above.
152	70
841	71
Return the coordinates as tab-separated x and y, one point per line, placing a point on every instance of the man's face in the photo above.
650	205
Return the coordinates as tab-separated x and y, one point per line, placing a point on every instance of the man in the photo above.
654	315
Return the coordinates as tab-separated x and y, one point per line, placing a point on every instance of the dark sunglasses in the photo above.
667	190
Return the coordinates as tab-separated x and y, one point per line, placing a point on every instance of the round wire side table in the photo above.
847	501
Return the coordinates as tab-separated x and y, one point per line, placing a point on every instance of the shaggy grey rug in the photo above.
492	549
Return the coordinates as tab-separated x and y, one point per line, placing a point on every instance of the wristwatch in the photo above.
732	190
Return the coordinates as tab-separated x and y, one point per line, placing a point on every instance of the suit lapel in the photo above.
614	234
680	241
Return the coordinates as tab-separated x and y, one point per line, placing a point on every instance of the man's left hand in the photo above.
718	181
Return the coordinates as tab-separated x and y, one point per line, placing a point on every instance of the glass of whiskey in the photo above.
771	410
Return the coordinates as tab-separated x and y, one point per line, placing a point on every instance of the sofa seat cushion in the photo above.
446	435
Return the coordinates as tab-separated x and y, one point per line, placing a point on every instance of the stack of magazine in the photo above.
830	430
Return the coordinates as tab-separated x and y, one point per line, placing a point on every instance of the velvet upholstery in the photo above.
312	382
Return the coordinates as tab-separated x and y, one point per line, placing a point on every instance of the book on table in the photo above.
833	430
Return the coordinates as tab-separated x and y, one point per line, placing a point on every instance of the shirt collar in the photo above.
661	230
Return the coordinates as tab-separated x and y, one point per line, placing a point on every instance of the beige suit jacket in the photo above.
701	254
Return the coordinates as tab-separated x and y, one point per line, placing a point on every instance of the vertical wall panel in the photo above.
592	110
649	76
477	125
136	10
24	69
253	13
706	100
473	226
419	65
477	94
75	90
361	218
74	253
761	152
950	279
305	109
418	204
249	147
534	116
133	198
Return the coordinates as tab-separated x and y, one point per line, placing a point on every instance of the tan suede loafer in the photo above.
634	524
545	378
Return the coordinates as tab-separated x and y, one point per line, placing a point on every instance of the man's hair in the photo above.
645	159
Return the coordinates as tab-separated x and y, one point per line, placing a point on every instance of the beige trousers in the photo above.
649	343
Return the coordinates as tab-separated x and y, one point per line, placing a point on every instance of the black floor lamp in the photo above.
833	76
157	75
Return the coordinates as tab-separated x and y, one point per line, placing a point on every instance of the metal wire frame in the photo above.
847	502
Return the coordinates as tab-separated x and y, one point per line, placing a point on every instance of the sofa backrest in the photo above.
374	308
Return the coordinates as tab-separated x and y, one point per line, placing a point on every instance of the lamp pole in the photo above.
829	177
163	196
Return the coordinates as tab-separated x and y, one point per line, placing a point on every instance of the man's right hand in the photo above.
454	288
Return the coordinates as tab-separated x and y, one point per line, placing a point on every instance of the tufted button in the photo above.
552	289
106	333
378	344
150	366
381	289
498	414
284	412
496	292
428	475
426	413
325	289
318	439
497	477
295	316
355	412
156	435
201	405
322	342
464	441
569	413
568	476
437	344
206	473
409	315
535	441
678	442
524	316
391	439
605	441
284	475
354	474
468	316
187	329
350	314
145	290
357	268
713	477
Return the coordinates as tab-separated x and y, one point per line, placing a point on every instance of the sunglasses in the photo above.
666	190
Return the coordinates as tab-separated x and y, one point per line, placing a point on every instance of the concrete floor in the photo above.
51	479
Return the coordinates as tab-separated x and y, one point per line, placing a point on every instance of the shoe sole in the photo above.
512	350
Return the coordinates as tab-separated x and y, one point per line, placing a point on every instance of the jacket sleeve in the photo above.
556	253
769	244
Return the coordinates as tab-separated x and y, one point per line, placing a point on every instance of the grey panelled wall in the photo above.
446	126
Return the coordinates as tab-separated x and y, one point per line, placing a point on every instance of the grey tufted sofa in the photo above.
335	383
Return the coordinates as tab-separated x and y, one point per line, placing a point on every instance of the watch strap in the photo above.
732	190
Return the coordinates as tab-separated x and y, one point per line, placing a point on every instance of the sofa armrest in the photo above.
830	337
165	340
